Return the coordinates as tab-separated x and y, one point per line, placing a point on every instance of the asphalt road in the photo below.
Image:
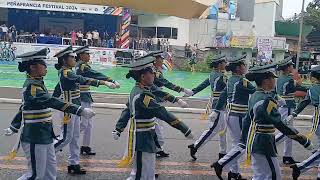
103	165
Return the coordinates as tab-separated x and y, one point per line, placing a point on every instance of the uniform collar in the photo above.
34	78
142	86
65	67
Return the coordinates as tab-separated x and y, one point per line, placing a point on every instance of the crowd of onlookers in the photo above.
150	44
190	51
91	38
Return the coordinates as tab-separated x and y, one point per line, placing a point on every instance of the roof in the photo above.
291	29
181	8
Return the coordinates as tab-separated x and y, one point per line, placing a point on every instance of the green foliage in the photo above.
200	66
312	16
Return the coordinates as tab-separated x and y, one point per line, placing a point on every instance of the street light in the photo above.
300	36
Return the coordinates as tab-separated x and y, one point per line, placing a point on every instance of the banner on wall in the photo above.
62	7
222	41
242	41
264	45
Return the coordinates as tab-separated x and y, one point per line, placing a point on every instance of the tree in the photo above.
312	15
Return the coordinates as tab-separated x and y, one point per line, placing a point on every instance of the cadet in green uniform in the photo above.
159	82
35	118
84	69
69	86
144	110
313	99
286	88
217	81
264	119
236	94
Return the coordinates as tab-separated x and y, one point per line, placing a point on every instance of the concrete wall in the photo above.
3	15
245	10
168	21
202	32
264	17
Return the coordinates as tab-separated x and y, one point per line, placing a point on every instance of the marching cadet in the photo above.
35	118
83	68
311	98
144	109
286	88
258	129
236	93
265	119
69	86
159	82
217	81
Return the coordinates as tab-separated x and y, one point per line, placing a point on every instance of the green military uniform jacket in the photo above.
36	113
261	121
160	81
84	69
236	95
217	80
286	87
69	85
144	110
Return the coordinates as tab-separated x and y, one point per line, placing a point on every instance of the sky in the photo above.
292	6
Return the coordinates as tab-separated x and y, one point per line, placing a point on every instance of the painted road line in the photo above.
160	171
161	163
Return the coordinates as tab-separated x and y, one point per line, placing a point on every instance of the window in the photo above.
174	33
148	32
164	32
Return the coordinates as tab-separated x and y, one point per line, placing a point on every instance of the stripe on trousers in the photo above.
310	162
230	159
33	161
65	127
280	137
139	165
272	168
209	132
240	122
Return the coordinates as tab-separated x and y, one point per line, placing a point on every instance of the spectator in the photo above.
89	38
1	34
13	33
149	44
111	42
158	45
154	43
80	38
95	36
73	37
5	32
117	40
186	50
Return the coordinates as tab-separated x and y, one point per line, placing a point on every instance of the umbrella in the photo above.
181	8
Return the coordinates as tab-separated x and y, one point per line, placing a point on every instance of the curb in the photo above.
122	106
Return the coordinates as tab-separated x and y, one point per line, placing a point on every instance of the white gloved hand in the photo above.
182	103
110	85
117	84
116	134
187	93
87	113
8	132
288	120
214	115
190	136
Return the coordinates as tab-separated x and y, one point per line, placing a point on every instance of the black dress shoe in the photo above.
156	175
218	169
221	155
288	160
85	150
193	151
235	176
295	171
76	169
162	154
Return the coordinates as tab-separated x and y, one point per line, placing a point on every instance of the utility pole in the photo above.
300	36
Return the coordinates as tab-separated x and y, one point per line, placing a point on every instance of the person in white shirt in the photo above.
89	38
95	35
80	37
5	32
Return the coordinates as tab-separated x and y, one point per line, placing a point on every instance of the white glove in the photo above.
213	116
182	103
288	120
8	132
117	84
116	134
187	93
281	102
110	85
310	147
190	136
87	113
